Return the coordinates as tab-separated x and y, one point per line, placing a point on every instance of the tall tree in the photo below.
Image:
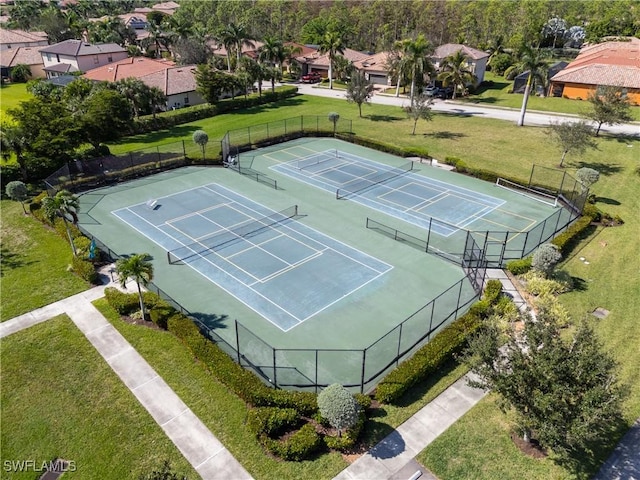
456	72
571	137
359	90
272	52
331	45
417	53
139	268
107	116
531	60
64	205
564	393
236	36
608	107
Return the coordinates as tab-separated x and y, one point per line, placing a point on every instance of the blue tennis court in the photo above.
392	190
278	267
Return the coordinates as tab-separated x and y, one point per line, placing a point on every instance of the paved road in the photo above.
468	109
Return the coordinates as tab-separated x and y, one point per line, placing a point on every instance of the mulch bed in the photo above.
532	448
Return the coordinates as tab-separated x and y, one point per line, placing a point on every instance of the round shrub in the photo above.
271	421
299	446
545	258
337	405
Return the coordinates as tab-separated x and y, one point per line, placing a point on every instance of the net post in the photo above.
237	341
364	363
275	374
168	258
337	194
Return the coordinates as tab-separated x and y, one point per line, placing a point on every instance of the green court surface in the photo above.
343	285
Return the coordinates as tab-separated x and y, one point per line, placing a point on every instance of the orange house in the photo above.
614	63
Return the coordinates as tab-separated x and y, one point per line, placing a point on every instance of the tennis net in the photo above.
368	182
315	159
527	192
247	229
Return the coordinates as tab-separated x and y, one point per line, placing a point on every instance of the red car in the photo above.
312	77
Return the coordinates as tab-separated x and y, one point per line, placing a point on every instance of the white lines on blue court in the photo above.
286	272
409	197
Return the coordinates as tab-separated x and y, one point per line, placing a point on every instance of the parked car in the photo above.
431	91
313	77
444	92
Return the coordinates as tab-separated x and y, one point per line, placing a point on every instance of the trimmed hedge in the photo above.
349	437
384	147
297	447
272	421
428	359
85	270
518	267
568	239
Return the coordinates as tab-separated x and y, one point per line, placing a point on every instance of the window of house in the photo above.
623	93
96	60
57	57
186	99
109	59
48	57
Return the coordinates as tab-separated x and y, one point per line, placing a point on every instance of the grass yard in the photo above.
225	414
60	399
34	264
10	97
498	95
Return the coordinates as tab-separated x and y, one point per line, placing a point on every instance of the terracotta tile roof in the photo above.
246	49
448	49
20	36
136	67
610	75
305	50
78	48
612	63
165	6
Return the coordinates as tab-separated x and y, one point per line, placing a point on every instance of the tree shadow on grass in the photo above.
384	118
622	138
606	169
169	135
11	261
607	201
288	102
446	135
480	101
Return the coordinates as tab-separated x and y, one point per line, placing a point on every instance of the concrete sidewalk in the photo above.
394	456
199	446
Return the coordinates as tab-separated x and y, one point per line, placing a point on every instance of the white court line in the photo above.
315	241
191	214
292	266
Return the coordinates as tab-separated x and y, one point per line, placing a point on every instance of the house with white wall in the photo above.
476	59
79	56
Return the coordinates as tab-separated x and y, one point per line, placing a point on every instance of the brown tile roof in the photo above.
317	60
27	56
174	80
78	48
246	49
448	49
305	50
136	67
20	36
6	56
612	63
374	63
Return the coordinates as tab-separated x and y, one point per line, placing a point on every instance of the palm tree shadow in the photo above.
384	118
604	168
11	260
212	321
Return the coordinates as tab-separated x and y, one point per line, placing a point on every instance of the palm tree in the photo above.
139	268
331	44
417	57
157	99
13	140
455	71
272	51
64	205
396	64
531	60
290	53
495	48
235	36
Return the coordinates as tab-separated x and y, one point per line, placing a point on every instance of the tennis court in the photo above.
278	267
392	190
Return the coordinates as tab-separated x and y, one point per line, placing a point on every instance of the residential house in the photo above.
13	39
168	8
78	56
22	56
476	59
319	63
178	83
250	51
612	63
375	68
137	21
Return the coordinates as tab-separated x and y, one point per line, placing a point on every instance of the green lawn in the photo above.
34	264
498	95
10	97
60	399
